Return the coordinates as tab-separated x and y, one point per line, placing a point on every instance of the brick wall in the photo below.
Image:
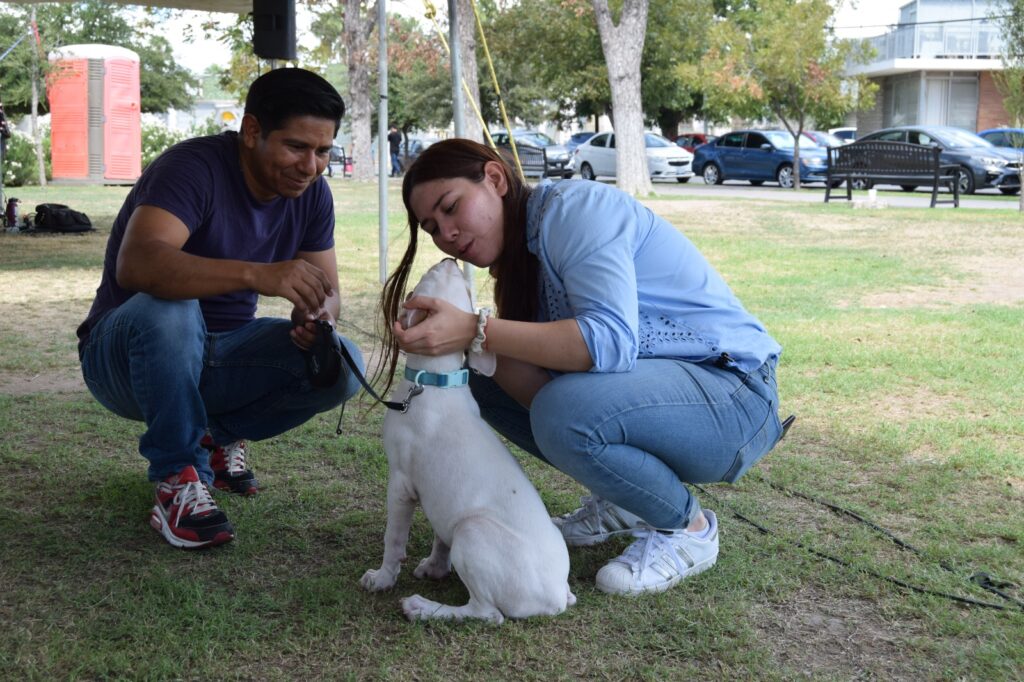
991	113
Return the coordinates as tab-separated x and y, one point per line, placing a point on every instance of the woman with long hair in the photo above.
624	360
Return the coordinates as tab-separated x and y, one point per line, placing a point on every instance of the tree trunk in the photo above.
623	46
668	121
472	127
797	134
37	139
358	27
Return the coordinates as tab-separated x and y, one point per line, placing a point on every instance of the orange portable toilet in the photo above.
95	125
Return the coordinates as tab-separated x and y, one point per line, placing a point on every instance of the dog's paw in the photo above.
378	580
419	608
430	568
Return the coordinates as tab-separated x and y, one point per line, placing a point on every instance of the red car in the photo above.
690	141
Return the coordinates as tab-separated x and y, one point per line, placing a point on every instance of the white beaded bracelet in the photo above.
477	346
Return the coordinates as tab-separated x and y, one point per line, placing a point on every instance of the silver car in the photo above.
597	157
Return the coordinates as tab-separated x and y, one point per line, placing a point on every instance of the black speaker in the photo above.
273	23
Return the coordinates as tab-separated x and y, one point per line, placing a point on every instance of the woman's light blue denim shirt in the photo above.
636	285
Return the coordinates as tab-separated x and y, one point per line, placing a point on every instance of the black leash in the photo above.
323	365
402	407
982	580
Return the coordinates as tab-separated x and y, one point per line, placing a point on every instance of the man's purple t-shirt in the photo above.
200	181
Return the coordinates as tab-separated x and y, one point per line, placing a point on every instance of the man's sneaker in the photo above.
596	521
228	464
186	515
657	560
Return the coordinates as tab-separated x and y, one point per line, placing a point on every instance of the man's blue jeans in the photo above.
152	360
636	438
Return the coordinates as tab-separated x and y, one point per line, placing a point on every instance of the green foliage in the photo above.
163	83
419	77
156	138
1010	81
780	59
21	166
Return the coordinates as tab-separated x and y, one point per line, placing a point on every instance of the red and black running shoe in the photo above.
186	515
228	464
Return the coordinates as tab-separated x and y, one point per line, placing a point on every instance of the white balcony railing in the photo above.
978	39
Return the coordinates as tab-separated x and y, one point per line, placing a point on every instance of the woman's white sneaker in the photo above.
596	521
659	560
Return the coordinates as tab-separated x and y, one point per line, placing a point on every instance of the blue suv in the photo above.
758	156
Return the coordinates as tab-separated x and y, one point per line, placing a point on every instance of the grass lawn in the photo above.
903	361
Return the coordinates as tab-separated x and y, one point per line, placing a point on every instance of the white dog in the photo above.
488	520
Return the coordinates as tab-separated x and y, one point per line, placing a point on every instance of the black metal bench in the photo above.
895	163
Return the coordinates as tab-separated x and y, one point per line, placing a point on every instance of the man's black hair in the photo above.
278	95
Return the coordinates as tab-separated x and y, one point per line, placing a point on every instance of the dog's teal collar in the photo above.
447	380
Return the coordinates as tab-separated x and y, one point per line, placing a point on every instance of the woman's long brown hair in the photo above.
515	271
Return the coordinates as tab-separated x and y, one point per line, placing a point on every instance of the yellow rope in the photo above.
431	13
497	88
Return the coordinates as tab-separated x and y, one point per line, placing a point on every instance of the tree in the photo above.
419	80
345	27
473	128
1010	81
780	58
164	84
623	45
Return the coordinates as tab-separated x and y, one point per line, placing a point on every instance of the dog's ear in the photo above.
483	363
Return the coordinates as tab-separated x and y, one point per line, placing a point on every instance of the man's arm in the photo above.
150	260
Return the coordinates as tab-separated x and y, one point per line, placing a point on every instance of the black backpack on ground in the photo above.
60	218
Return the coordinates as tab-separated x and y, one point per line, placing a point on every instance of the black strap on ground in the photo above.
982	580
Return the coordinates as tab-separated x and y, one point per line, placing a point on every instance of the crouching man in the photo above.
172	339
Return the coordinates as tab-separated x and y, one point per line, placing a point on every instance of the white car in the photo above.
597	158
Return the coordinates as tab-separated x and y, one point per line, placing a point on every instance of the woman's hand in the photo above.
445	330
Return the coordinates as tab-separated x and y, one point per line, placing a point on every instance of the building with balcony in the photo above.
935	68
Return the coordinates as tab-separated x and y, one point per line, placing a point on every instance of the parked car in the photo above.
823	139
981	164
1004	137
576	139
758	156
846	134
690	141
598	157
412	147
538	153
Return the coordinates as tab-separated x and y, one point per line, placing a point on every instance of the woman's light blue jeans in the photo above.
636	438
152	360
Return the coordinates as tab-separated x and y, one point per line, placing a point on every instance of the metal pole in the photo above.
458	101
382	128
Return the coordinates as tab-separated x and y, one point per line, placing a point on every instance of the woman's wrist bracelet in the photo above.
482	315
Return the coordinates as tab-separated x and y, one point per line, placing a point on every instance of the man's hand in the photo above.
299	281
304	333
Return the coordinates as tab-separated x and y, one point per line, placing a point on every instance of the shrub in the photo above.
20	165
156	138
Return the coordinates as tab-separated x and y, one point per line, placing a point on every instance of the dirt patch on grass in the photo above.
818	635
992	280
57	381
